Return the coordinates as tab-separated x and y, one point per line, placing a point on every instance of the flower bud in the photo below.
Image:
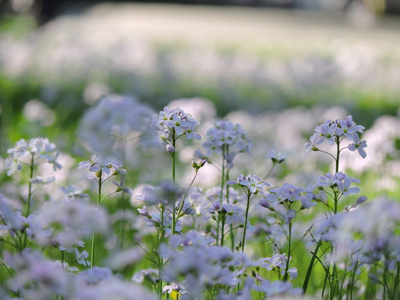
170	149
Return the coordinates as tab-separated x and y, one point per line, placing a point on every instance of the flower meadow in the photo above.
169	205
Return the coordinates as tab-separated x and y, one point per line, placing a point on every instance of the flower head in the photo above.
335	132
176	121
25	152
252	183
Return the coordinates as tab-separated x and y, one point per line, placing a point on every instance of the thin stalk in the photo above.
160	260
222	230
123	220
270	170
324	286
232	234
222	190
285	277
245	220
8	270
62	259
337	154
352	280
310	266
30	187
173	181
184	196
98	205
396	281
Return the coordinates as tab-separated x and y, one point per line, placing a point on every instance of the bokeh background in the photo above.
278	67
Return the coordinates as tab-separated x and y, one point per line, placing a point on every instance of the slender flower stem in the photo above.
270	170
173	181
334	282
222	230
232	233
311	265
285	277
31	166
337	154
62	259
98	205
184	196
122	199
245	220
221	192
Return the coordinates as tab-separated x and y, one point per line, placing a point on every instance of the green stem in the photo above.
232	234
62	259
221	193
173	181
8	270
352	280
270	170
396	281
184	196
222	230
337	154
334	280
30	186
310	266
245	220
285	277
123	220
92	261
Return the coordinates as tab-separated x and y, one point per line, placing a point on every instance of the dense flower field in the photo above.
211	212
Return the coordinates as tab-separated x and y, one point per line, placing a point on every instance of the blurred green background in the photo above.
240	57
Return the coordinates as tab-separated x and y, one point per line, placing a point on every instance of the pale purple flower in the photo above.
175	120
228	139
276	157
124	258
121	186
252	183
76	219
347	127
36	277
234	214
359	146
115	125
35	149
335	132
95	275
340	181
41	180
72	193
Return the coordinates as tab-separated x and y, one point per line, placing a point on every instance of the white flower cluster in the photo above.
226	139
175	122
28	152
115	123
224	133
252	183
335	132
195	258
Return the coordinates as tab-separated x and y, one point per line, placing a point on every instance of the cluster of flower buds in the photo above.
26	152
